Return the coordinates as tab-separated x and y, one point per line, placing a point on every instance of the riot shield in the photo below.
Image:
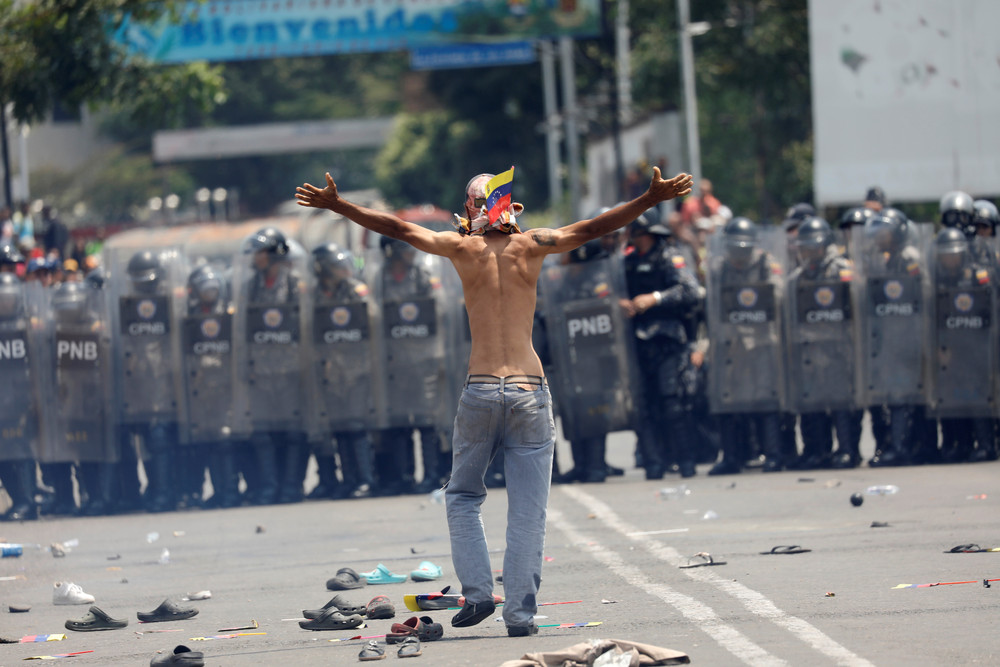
820	342
206	332
78	425
411	300
271	341
459	344
144	308
591	345
342	370
19	414
746	371
890	306
961	340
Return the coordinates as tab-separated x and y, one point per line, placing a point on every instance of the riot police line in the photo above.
249	363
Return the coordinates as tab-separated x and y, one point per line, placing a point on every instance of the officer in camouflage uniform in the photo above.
663	294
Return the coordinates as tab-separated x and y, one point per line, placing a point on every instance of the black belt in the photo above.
510	379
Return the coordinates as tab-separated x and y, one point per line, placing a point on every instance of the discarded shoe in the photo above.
427	571
332	619
471	614
410	648
181	655
66	592
15	608
522	630
371	651
423	628
382	575
380	607
791	549
338	602
95	619
167	611
702	559
345	580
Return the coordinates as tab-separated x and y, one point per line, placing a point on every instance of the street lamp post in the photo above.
687	30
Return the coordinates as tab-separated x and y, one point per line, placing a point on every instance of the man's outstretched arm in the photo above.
436	243
566	238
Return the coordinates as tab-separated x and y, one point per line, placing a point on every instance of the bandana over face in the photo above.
478	222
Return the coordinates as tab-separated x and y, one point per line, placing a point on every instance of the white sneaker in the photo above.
69	593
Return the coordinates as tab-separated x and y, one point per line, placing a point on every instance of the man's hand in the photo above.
310	195
627	307
643	302
662	190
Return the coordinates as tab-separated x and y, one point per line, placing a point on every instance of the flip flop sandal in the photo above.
966	549
380	607
95	619
382	575
779	550
345	580
371	651
704	560
340	603
410	648
427	571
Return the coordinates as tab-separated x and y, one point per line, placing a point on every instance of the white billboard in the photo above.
906	95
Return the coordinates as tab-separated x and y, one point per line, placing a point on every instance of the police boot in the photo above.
986	443
956	440
597	469
329	485
266	470
817	442
225	481
98	479
363	468
430	450
578	448
847	455
682	441
771	443
294	471
732	457
60	477
894	453
19	480
161	478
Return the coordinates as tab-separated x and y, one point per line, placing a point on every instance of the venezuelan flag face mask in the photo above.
477	221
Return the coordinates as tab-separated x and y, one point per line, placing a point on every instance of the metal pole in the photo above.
23	159
623	63
570	114
552	133
690	101
5	156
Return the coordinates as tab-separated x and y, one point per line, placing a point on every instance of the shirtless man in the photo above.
506	401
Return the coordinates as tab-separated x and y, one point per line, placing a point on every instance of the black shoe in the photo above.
472	614
654	472
725	467
595	476
844	460
887	459
772	464
687	469
615	472
361	491
522	630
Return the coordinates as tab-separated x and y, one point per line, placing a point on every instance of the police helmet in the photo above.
328	257
814	232
95	278
394	248
877	194
145	270
592	249
10	294
956	210
740	238
796	214
858	215
950	248
70	298
204	284
9	254
269	240
888	229
647	223
986	214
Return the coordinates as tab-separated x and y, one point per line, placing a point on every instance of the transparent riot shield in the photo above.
745	290
820	339
342	371
144	305
207	354
961	333
77	424
590	341
459	344
19	337
889	294
271	341
411	300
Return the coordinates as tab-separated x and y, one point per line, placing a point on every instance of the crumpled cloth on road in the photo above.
586	653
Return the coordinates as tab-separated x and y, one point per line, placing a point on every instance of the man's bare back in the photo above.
499	271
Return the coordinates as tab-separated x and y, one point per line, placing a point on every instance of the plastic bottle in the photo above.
673	492
882	490
8	550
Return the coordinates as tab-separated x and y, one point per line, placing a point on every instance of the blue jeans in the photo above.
491	416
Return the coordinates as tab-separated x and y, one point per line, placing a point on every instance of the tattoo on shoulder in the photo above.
544	237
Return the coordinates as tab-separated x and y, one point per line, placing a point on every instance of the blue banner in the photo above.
222	30
472	55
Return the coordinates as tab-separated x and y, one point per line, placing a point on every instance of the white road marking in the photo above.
699	613
751	599
660	532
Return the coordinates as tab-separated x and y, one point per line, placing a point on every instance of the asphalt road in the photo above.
616	548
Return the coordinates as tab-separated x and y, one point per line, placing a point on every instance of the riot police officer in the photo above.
344	353
961	346
270	364
663	293
414	356
10	257
746	379
821	350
